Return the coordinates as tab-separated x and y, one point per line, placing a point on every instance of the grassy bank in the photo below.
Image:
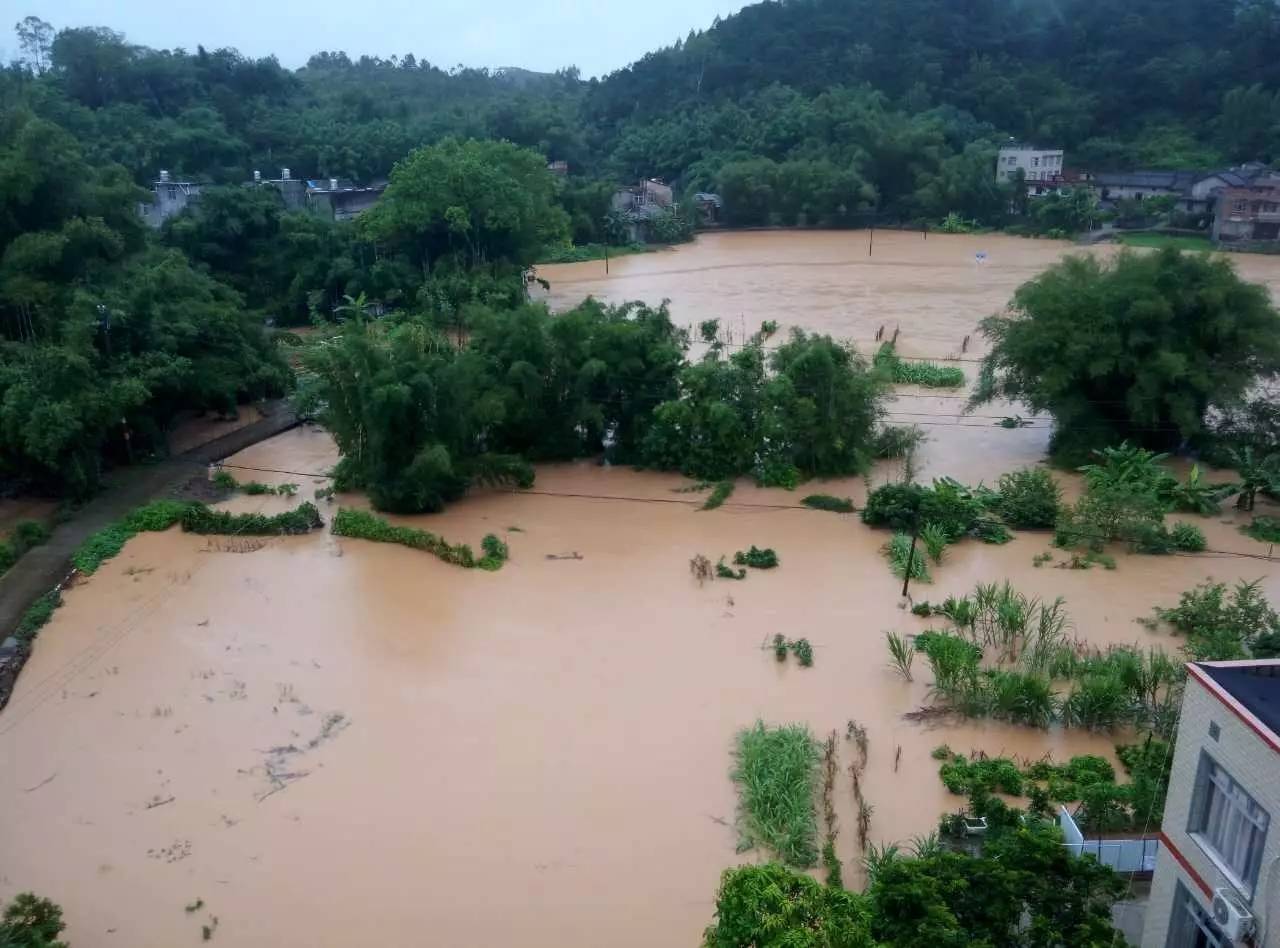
581	253
1160	241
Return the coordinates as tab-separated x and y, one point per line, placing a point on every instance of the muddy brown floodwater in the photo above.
332	742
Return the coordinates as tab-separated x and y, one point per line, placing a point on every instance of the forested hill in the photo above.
1178	83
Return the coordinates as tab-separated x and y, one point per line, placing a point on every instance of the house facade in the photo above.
340	199
1217	875
1035	163
1248	213
168	197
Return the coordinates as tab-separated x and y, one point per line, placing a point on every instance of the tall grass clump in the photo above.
928	374
366	526
777	772
902	560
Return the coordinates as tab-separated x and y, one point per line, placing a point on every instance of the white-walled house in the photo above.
1217	876
1036	164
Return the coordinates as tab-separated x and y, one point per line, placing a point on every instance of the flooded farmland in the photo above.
332	742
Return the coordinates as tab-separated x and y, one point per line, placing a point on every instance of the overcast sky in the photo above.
543	35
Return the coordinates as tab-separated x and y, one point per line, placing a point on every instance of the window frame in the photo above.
1197	820
1187	916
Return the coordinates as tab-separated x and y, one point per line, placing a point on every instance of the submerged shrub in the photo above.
366	526
199	518
719	494
755	557
1187	537
827	502
1028	499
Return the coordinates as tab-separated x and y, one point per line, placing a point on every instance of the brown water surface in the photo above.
335	742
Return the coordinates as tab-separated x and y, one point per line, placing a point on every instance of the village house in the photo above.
639	204
1116	186
168	197
1249	212
1218	866
340	198
1040	168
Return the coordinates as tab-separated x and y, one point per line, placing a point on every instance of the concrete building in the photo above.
1250	212
341	199
1036	164
1217	876
1140	185
168	197
641	203
293	191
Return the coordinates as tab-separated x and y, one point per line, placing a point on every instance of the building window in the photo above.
1011	160
1239	207
1190	926
1035	161
173	192
1214	730
1228	823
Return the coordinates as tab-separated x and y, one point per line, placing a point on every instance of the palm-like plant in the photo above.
1256	473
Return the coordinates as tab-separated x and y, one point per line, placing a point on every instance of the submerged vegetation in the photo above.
1086	779
1035	674
1127	494
829	503
776	770
366	526
916	372
719	494
1221	625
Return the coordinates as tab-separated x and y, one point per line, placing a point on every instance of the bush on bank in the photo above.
366	526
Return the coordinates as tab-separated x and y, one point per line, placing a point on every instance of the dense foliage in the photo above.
806	409
1139	348
1025	888
419	420
30	921
103	340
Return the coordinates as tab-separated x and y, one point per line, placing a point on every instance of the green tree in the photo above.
770	906
1138	348
31	922
478	202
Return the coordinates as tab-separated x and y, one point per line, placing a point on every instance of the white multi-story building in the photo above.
1217	876
1036	164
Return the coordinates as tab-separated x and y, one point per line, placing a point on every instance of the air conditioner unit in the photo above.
1231	915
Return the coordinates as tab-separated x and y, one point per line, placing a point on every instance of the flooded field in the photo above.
932	287
331	742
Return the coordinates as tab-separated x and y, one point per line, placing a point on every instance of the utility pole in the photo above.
911	556
606	257
871	237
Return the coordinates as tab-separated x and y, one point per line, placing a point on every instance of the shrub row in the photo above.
198	518
366	526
